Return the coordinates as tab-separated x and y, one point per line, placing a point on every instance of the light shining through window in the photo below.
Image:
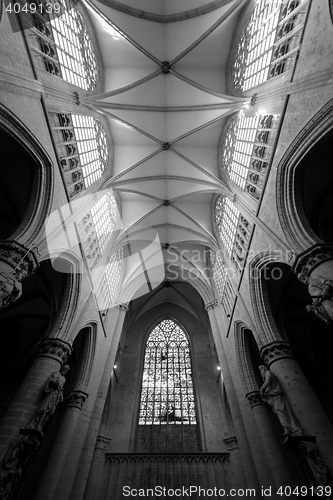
167	395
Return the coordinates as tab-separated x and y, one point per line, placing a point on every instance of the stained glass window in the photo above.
64	43
167	395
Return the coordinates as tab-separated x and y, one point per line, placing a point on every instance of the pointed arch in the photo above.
40	197
167	393
245	345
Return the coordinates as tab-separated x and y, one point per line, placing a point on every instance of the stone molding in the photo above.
211	305
274	351
56	349
126	458
76	399
33	222
254	399
122	307
291	214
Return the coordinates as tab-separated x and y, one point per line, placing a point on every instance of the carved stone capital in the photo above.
76	399
122	307
56	349
306	261
17	262
273	351
102	443
314	268
254	399
211	305
231	443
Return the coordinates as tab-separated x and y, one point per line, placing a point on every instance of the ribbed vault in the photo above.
164	96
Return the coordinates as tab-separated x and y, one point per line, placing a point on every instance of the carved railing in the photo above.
164	470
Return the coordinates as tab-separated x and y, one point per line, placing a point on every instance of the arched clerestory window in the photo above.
61	40
247	150
97	226
269	41
82	148
233	230
167	395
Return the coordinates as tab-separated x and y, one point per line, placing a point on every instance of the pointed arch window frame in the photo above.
162	411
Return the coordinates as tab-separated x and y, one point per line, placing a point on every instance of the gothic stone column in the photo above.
86	481
269	440
58	457
95	482
53	353
302	400
248	470
314	267
16	264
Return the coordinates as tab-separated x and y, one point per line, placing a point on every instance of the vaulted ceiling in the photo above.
165	98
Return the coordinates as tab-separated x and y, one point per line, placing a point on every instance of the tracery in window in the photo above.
96	228
247	150
167	395
269	42
83	149
107	293
219	273
62	41
233	230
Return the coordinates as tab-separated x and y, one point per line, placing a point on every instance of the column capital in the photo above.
76	399
17	262
280	349
122	307
211	305
254	399
231	443
102	443
56	349
308	260
314	268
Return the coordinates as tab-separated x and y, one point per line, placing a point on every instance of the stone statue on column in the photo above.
53	395
271	392
17	458
321	291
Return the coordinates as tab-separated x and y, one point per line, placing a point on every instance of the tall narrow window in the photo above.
219	273
63	43
224	290
233	230
247	151
96	228
167	396
269	42
82	147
